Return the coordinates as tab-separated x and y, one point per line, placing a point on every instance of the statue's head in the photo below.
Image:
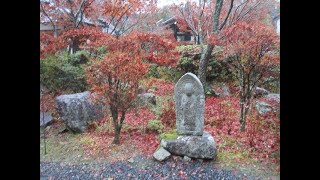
188	89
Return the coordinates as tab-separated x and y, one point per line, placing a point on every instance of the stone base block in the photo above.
200	147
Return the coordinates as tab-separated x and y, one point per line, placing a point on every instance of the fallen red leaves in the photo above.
47	103
135	135
262	135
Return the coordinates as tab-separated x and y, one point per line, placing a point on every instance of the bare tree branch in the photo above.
225	20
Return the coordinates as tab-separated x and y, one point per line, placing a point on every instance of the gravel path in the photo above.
140	168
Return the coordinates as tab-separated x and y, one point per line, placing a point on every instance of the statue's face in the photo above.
188	89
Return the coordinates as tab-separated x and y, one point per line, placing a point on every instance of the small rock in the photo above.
186	159
177	158
130	160
146	98
161	154
141	90
45	119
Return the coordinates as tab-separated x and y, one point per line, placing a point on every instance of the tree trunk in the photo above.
117	125
206	53
55	30
204	59
116	139
242	99
242	116
74	46
114	114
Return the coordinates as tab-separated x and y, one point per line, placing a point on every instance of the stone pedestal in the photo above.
202	147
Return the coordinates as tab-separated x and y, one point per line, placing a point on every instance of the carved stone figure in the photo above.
189	97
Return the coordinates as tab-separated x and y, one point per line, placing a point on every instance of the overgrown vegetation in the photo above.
64	72
233	48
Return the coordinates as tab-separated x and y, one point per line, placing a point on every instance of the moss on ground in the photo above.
169	135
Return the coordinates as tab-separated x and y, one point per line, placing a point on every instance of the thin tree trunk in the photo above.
206	53
44	127
55	31
116	139
242	117
242	99
204	59
117	126
114	114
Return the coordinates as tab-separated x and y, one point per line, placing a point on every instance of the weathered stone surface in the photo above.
275	102
77	110
189	99
203	147
275	97
161	154
225	91
131	160
261	92
45	119
146	98
186	158
262	107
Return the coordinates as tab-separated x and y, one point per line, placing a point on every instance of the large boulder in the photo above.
259	92
274	97
161	154
77	111
202	147
275	102
263	108
45	119
146	98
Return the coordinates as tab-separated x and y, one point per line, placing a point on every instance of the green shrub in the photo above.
64	72
153	71
169	73
219	71
216	70
155	125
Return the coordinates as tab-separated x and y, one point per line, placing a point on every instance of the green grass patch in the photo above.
227	156
169	135
85	140
65	148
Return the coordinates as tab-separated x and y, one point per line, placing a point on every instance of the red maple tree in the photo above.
115	78
206	19
84	21
251	49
